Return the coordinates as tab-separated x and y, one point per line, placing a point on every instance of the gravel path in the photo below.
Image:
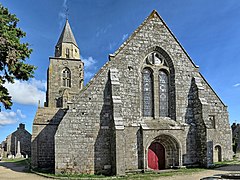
18	172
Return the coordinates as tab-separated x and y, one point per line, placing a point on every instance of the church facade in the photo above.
148	107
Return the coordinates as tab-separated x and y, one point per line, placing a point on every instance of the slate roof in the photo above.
67	35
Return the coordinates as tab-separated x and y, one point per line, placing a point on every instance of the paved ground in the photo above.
16	172
207	173
11	171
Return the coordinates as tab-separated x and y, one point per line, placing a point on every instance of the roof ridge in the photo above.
134	33
153	13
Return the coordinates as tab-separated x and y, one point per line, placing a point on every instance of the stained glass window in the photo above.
163	94
66	77
147	93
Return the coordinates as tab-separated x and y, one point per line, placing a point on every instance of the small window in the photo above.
212	123
66	77
67	53
81	84
57	49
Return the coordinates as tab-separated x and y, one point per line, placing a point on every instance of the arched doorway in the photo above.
163	152
217	155
156	156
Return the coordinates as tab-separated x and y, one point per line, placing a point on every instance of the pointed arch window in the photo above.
66	77
163	94
147	79
158	85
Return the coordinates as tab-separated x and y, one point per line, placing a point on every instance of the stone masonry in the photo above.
236	139
148	102
22	136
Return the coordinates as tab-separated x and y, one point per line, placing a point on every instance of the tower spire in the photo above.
67	46
67	35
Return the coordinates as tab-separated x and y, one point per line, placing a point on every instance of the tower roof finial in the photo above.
66	13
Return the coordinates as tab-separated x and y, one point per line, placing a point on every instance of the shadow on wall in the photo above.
196	138
43	146
140	148
105	145
191	147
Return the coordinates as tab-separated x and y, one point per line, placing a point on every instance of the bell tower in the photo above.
65	71
66	46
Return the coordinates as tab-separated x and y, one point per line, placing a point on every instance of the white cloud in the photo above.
89	63
104	30
7	121
65	4
124	37
10	117
27	92
19	112
236	85
90	67
40	84
62	14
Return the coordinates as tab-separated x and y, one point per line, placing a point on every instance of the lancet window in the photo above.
66	77
147	79
67	53
156	67
163	94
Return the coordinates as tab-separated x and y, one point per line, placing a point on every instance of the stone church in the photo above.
17	140
148	107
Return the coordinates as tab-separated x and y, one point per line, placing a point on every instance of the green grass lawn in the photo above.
148	175
227	163
17	160
145	176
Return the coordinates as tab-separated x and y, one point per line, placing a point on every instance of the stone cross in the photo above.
18	155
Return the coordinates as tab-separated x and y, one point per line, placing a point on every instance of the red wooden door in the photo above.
156	156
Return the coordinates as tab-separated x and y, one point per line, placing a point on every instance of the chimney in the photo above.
21	126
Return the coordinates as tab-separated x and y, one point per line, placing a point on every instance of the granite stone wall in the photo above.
104	131
55	88
43	133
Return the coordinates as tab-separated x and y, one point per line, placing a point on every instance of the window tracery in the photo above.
66	77
155	59
155	65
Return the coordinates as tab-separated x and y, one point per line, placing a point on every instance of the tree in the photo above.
13	55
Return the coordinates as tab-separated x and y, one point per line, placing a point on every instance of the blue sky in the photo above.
208	30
